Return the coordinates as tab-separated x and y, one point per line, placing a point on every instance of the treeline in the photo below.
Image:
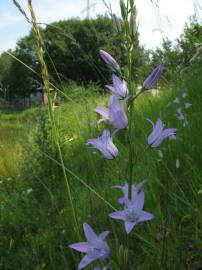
72	54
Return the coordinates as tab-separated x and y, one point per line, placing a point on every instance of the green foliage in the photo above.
187	50
71	53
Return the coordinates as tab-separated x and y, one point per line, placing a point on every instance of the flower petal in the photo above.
104	234
139	201
144	216
118	215
102	111
129	226
85	261
81	247
89	233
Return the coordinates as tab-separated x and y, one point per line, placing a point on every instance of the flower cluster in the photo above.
115	113
184	105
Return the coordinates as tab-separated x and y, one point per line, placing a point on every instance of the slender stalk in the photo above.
55	133
130	131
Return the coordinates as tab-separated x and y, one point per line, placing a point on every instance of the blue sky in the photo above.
173	14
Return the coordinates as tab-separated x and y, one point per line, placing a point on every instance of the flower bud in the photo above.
123	9
131	3
117	23
133	17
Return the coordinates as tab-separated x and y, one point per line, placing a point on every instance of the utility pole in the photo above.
88	9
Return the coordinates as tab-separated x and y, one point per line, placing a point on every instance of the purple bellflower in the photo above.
158	133
180	114
176	100
105	145
135	190
184	95
95	247
119	87
181	117
187	105
150	82
105	268
109	60
115	114
133	213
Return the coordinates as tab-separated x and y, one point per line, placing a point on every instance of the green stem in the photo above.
55	133
130	131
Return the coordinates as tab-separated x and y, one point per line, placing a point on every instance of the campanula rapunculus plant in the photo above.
151	81
158	133
133	212
105	145
114	114
109	60
95	247
119	87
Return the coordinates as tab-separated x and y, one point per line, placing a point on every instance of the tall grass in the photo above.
42	231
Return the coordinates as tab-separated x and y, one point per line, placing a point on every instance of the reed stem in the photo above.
55	133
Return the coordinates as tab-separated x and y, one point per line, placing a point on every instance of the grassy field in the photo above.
13	135
35	221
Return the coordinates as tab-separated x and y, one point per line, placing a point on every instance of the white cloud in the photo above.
8	19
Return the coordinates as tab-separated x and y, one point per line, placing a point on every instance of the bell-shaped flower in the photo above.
181	117
118	88
150	82
158	133
184	94
187	105
133	213
105	145
105	267
95	247
115	114
109	60
176	100
136	188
